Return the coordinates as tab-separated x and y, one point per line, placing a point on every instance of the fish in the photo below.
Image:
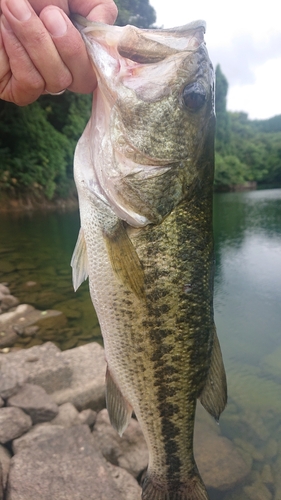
144	170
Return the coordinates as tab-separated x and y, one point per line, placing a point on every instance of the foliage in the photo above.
136	12
37	142
31	150
246	150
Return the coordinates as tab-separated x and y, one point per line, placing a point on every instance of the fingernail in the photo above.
54	22
19	9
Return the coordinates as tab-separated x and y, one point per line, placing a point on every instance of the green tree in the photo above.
222	126
32	152
137	12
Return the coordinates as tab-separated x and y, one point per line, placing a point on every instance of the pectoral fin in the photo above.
119	410
124	260
214	394
79	261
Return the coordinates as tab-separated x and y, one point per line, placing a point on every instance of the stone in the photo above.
67	416
13	423
258	491
1	483
6	266
40	365
8	339
266	475
271	364
8	318
221	466
34	400
64	465
129	451
88	417
11	379
125	482
87	388
2	402
5	458
25	316
38	433
4	289
7	302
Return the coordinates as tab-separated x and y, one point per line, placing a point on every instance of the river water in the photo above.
35	252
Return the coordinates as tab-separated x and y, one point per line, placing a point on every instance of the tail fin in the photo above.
193	489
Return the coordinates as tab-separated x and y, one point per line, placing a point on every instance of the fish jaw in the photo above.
135	104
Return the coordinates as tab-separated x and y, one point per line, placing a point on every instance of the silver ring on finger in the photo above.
55	93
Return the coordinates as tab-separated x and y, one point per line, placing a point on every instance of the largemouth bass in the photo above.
144	173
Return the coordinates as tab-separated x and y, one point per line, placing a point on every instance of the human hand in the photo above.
40	49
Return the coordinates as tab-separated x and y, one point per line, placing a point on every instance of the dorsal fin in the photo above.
79	261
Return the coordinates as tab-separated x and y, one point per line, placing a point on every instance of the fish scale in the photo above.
144	173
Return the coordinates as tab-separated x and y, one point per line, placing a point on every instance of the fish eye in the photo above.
194	96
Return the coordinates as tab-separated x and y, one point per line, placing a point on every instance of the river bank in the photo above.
31	202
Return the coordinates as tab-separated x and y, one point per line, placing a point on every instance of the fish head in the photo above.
153	113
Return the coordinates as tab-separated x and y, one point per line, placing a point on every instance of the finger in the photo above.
38	44
71	49
103	11
39	5
20	82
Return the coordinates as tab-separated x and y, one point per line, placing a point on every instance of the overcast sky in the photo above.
244	37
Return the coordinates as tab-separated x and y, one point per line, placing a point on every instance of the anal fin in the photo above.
79	261
214	394
124	259
119	410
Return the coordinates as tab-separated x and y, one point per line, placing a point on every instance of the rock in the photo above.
5	458
129	451
7	302
271	449
8	339
126	484
25	316
40	365
220	464
9	318
6	266
266	475
38	433
34	400
1	402
13	423
11	379
64	465
88	417
271	364
249	448
4	289
87	389
67	416
258	491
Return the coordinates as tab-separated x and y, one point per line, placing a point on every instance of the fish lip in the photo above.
81	22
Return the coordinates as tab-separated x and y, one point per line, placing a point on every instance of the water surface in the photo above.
35	253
